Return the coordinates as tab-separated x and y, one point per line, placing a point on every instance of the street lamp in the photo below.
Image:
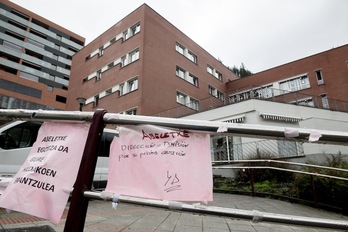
81	101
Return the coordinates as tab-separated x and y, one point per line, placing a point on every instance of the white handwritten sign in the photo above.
160	163
42	186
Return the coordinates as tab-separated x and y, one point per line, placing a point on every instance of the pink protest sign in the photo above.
160	163
42	186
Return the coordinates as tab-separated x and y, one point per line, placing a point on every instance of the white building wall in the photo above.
303	117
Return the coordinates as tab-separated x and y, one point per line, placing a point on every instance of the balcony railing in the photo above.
269	94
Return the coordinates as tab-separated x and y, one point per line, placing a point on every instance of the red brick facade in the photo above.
332	64
155	69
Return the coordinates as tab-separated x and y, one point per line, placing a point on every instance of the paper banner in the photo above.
160	163
42	186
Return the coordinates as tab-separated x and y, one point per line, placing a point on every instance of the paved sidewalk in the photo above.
129	217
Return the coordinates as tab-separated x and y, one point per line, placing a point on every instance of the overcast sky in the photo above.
260	33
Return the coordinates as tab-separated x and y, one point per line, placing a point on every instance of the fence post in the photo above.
314	190
251	171
79	204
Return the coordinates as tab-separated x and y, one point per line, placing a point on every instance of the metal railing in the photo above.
312	170
81	193
275	95
272	149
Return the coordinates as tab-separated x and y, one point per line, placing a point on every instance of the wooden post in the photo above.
79	204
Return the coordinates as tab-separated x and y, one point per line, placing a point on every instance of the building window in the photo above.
180	72
192	79
131	112
185	52
193	104
101	51
179	48
214	72
134	56
110	65
129	58
113	40
60	99
319	76
128	86
108	91
131	31
96	101
192	57
181	98
98	75
325	101
135	29
210	70
216	93
187	101
186	76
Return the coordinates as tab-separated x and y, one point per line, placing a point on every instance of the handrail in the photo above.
254	215
246	130
281	162
285	169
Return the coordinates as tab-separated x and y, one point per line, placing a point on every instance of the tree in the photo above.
241	71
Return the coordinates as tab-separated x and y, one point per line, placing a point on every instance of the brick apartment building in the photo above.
145	65
35	59
319	81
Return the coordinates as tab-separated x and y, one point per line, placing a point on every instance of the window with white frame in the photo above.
135	29
180	72
128	86
210	69
130	57
101	51
214	72
187	101
319	76
98	75
96	101
192	57
179	48
183	74
193	104
131	31
192	79
325	101
185	52
216	93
